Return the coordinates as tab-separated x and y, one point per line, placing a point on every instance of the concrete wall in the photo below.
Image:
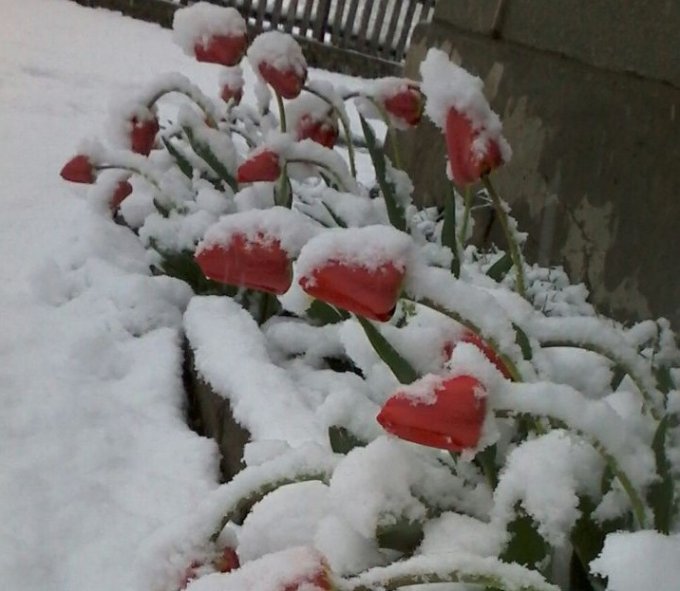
590	97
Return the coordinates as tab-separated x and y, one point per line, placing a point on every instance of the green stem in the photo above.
282	111
467	196
199	103
346	130
509	364
129	169
283	189
390	132
326	168
512	243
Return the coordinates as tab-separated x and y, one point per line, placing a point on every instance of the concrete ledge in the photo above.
636	36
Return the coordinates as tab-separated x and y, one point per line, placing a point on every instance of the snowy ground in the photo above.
94	454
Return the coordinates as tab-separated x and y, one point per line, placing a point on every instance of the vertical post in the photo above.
321	20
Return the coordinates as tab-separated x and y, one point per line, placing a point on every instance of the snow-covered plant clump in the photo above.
420	411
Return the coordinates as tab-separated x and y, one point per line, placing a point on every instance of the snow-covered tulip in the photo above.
323	131
227	50
288	83
122	191
143	134
405	107
231	85
278	59
368	292
489	353
448	416
212	34
258	263
79	169
227	561
471	153
319	581
261	166
457	105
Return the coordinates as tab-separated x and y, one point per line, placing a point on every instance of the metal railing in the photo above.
377	28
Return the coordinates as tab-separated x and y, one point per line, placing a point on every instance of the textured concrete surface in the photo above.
595	176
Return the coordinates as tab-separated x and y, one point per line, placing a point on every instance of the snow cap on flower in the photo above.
133	125
442	412
261	165
313	118
277	59
214	34
456	104
231	84
400	98
254	249
360	270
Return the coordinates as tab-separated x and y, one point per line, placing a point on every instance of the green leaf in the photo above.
325	314
402	535
183	266
342	440
337	219
449	229
617	378
182	163
399	366
203	150
500	268
522	340
526	546
664	379
394	210
661	493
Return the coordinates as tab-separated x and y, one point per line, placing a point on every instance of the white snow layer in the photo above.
201	21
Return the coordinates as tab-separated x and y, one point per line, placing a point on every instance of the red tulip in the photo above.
322	131
227	50
263	166
231	93
288	83
261	264
319	581
406	106
143	135
453	421
372	293
227	561
79	169
469	161
123	190
490	354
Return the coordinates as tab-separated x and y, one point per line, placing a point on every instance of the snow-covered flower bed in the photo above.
420	411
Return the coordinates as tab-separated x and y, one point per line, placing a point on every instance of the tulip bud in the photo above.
261	166
405	107
279	61
123	190
449	415
231	81
143	134
79	169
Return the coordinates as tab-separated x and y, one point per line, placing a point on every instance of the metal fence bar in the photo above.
338	29
259	18
246	8
362	35
374	42
291	17
324	8
306	18
388	45
400	47
275	15
348	33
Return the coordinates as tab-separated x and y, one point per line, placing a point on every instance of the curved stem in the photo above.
282	111
648	399
346	130
507	362
284	189
515	254
207	110
129	169
325	167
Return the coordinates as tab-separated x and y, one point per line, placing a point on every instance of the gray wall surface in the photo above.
589	93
